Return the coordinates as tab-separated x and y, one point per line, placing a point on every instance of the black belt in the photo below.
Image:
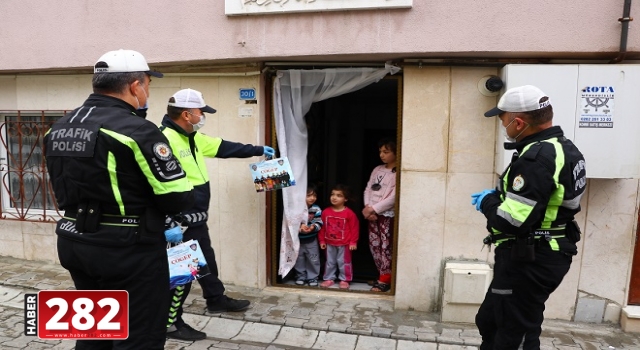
539	234
107	219
555	232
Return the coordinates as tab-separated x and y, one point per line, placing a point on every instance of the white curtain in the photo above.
294	92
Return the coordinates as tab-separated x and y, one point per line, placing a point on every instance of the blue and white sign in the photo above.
248	94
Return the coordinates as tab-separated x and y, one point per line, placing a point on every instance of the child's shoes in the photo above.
344	285
327	284
313	283
300	281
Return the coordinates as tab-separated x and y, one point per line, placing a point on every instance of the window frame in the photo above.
24	211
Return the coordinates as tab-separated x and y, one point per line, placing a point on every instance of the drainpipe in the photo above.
624	34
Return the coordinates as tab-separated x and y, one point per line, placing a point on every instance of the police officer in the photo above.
185	116
115	177
530	220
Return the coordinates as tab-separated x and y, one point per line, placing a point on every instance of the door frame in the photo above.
271	246
634	280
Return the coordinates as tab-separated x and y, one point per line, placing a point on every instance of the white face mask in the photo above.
146	103
197	126
506	135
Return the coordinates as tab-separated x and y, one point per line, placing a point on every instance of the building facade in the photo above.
434	107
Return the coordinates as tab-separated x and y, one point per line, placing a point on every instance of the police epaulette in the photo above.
532	152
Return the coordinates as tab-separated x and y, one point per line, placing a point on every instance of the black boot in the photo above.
185	332
226	304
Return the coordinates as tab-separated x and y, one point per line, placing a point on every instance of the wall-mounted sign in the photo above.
248	94
245	112
596	107
259	7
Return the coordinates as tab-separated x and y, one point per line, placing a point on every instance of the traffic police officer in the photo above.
530	217
116	178
180	125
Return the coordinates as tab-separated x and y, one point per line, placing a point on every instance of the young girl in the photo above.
379	201
339	236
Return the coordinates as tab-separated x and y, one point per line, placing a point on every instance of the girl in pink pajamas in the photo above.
379	201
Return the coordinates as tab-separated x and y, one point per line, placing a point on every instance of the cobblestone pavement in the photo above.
294	318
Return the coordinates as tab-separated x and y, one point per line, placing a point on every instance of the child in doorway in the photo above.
338	236
308	263
379	201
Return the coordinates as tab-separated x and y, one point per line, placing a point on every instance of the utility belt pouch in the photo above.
151	225
88	216
573	231
523	249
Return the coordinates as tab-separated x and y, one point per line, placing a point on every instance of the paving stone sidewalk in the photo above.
294	318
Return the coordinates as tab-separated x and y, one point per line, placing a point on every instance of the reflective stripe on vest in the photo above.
555	201
159	187
516	209
196	217
193	164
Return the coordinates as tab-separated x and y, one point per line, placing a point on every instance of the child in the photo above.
308	263
379	201
193	271
339	236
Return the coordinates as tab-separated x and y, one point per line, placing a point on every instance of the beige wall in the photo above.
447	153
74	33
611	217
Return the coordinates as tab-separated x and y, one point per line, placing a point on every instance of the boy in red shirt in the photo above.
338	237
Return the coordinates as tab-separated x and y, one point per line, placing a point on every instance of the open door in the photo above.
342	148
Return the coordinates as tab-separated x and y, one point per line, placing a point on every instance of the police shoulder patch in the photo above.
518	183
162	151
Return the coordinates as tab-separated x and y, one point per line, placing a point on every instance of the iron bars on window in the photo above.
26	192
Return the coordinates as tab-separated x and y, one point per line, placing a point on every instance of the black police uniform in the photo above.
115	177
530	220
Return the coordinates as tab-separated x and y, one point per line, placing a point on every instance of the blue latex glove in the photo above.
476	198
269	152
174	234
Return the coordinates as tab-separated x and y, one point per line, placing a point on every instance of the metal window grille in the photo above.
26	192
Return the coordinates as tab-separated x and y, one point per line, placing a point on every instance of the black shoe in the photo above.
226	304
186	332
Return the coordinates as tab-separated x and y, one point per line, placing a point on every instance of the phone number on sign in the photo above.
596	119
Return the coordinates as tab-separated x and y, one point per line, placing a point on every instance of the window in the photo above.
26	193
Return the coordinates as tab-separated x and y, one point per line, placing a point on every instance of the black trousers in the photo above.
513	308
212	287
140	269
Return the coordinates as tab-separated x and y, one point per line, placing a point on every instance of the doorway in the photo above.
342	148
634	284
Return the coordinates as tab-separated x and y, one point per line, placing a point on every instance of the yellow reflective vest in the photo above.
191	150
